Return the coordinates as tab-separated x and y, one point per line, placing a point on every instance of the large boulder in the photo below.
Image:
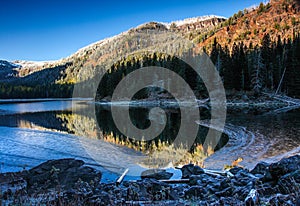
190	169
63	172
284	166
260	168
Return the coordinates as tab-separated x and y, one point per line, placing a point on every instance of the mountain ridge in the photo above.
245	31
82	55
182	22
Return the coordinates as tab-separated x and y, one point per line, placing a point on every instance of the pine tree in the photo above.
236	67
256	78
287	62
266	59
227	68
245	80
214	52
277	61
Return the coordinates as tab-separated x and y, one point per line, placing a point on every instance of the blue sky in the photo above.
53	29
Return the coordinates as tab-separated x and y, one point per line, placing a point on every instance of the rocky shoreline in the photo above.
70	182
235	103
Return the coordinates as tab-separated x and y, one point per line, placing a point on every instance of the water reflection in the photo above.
160	151
271	136
30	107
282	130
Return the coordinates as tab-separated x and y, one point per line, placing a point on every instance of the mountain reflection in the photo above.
100	125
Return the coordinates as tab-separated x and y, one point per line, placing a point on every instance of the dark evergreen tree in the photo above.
236	67
245	76
266	53
214	52
257	78
227	68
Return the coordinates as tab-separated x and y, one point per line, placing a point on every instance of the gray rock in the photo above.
267	177
284	166
203	179
229	201
61	164
252	198
225	184
260	168
105	199
195	191
190	169
76	182
267	189
289	183
158	174
225	193
235	170
298	201
280	199
63	172
245	97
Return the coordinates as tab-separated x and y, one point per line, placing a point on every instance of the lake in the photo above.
33	132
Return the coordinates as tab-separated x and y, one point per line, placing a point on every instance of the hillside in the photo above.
251	50
31	73
276	18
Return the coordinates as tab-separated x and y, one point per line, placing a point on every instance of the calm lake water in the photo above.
31	133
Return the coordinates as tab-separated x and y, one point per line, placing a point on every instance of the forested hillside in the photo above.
276	18
254	50
266	60
258	49
273	66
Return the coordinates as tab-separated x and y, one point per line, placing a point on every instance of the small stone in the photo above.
225	193
253	198
245	97
225	184
267	177
229	201
235	170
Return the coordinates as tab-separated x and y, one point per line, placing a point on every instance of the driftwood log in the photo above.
120	179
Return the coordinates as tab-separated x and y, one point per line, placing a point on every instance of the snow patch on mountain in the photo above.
8	64
92	46
167	24
194	20
26	64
